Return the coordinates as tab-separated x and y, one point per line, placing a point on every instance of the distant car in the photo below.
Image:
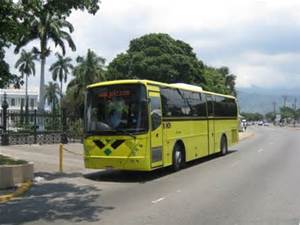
266	124
260	123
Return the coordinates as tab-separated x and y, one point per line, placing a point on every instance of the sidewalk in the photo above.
46	157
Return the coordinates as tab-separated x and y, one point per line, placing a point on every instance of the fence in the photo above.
33	127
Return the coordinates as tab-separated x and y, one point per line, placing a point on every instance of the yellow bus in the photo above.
145	125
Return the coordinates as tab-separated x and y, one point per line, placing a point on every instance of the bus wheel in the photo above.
178	157
224	146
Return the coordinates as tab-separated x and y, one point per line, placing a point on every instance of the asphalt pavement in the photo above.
256	183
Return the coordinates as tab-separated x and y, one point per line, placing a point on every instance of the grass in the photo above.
4	160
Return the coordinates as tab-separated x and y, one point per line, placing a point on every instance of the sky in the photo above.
259	40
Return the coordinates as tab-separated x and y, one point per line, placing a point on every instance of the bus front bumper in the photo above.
123	163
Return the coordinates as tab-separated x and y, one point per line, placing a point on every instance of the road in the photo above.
257	183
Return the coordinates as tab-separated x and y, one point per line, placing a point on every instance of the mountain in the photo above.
257	99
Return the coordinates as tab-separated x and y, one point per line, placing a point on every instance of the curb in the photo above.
20	191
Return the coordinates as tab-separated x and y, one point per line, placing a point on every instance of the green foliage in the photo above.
23	21
157	57
252	116
65	7
51	95
5	160
270	116
12	18
219	80
89	69
11	28
25	63
288	113
75	128
4	67
52	123
60	69
6	77
160	57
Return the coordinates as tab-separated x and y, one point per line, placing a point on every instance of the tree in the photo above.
230	83
158	57
10	29
60	70
270	116
46	21
26	66
252	116
45	27
51	95
229	80
162	58
215	81
4	68
89	69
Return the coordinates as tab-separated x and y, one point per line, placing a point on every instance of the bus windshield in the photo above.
116	109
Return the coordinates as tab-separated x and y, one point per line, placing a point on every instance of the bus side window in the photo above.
202	108
155	112
210	105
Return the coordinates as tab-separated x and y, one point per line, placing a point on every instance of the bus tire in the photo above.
178	157
224	145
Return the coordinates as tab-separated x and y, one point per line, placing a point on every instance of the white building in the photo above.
16	97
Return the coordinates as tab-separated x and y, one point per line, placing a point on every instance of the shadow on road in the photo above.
52	176
54	201
121	176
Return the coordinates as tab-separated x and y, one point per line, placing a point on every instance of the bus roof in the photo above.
182	86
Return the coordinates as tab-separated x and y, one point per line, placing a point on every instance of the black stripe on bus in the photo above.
197	118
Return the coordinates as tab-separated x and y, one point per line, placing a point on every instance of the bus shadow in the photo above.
121	176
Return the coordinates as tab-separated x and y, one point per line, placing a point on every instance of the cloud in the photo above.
257	39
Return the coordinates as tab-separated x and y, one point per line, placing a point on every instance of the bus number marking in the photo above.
167	125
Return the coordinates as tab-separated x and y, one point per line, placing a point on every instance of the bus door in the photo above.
210	124
156	135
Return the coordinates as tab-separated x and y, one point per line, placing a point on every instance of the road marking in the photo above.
158	200
260	150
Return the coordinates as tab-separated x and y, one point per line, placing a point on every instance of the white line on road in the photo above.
158	200
260	150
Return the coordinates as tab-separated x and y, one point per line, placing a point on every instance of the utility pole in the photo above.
274	107
284	100
274	113
295	111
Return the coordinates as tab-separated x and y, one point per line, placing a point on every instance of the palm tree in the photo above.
46	26
26	66
51	94
88	70
60	69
